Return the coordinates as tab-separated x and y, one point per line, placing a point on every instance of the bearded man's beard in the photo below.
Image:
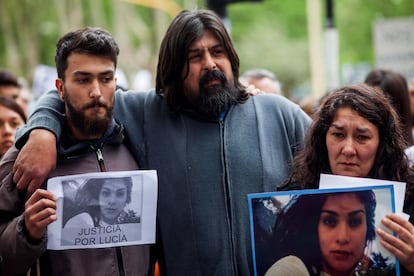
218	98
89	126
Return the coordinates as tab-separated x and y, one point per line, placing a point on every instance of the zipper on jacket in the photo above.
228	199
101	162
99	157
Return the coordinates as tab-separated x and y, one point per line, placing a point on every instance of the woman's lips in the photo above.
340	254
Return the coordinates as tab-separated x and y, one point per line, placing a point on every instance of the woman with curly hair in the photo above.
356	132
103	201
339	227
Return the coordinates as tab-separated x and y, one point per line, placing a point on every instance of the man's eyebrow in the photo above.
218	45
195	48
85	73
81	73
107	72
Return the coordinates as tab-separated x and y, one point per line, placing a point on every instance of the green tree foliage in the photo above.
273	34
30	29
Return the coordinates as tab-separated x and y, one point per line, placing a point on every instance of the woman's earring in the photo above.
363	263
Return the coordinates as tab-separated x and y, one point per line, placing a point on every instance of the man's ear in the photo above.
59	88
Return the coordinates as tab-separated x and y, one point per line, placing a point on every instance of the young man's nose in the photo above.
95	89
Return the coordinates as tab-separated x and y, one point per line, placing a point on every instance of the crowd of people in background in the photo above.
13	108
212	143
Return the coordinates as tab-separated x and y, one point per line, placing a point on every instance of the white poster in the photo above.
393	44
329	181
103	209
299	232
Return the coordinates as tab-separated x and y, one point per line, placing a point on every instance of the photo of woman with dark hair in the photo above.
325	234
102	202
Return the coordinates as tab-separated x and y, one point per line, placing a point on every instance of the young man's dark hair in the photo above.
88	40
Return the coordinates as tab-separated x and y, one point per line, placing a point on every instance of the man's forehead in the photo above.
207	39
88	64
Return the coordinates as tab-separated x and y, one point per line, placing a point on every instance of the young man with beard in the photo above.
210	142
91	141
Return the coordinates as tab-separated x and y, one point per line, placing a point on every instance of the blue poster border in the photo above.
252	196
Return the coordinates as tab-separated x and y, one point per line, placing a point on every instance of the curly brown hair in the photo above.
391	163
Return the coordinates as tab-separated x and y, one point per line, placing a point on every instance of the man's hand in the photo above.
35	161
40	211
253	91
402	245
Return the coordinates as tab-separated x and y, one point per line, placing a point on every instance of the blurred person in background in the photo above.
411	96
10	86
24	99
12	116
410	150
14	88
263	80
394	86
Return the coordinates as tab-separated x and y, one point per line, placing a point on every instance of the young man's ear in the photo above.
59	88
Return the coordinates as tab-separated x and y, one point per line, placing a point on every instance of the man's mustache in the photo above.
95	103
212	75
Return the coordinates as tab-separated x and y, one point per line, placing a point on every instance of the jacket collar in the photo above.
70	147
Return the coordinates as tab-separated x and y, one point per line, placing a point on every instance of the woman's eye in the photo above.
362	137
329	221
120	194
354	222
338	134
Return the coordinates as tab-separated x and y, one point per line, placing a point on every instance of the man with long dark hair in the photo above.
210	142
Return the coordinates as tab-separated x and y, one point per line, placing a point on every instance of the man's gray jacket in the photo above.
206	169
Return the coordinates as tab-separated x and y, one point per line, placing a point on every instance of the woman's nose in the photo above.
7	129
349	147
342	235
